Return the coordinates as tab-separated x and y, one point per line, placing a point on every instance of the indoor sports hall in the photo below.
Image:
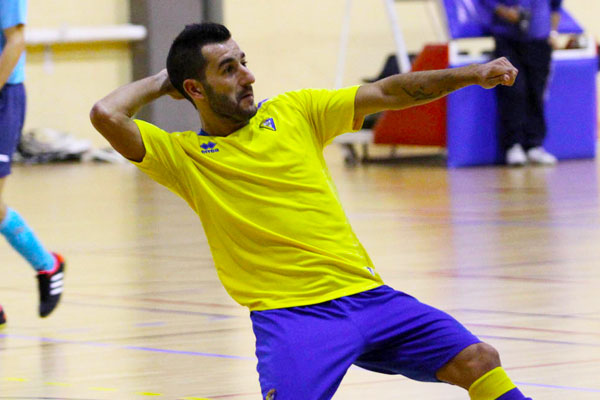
513	253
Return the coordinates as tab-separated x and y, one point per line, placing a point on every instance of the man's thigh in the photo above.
12	114
304	352
407	337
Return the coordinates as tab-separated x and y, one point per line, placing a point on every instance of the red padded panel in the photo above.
423	125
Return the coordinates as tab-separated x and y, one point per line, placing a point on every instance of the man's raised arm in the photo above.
112	116
411	89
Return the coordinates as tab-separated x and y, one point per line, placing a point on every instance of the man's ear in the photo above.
194	89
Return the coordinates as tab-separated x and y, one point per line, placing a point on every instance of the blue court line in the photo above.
449	220
41	398
526	223
540	341
193	353
211	316
525	314
146	324
572	388
122	347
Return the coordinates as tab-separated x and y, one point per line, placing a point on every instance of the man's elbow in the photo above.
101	118
98	113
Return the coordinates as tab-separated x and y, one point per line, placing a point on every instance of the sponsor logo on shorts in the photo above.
4	158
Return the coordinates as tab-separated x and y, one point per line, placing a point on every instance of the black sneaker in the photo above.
2	317
50	284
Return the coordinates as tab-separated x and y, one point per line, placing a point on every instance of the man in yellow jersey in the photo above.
280	240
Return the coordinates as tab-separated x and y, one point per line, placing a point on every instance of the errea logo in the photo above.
268	123
209	147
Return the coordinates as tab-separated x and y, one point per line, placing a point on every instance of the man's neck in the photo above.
222	127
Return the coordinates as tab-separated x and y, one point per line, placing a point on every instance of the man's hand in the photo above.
497	72
509	14
167	87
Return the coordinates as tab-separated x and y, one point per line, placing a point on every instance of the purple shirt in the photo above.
539	26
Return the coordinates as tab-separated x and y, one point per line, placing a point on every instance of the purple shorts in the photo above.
12	117
304	352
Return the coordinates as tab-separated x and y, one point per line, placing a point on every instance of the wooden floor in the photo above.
512	253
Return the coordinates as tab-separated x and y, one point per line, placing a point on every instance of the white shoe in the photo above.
516	156
538	155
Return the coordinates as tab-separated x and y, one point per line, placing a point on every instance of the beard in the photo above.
228	108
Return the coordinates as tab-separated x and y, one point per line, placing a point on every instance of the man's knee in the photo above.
469	365
482	357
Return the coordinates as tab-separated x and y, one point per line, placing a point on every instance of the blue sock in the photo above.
24	241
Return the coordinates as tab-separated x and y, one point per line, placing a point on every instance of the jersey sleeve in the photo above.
12	13
160	161
331	112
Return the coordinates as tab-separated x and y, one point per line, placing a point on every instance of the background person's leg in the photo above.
20	236
511	100
12	226
537	65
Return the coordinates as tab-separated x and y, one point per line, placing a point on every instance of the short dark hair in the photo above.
185	59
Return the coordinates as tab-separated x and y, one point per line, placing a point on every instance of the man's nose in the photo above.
247	77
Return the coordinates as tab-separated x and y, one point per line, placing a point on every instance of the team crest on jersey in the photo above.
209	147
268	123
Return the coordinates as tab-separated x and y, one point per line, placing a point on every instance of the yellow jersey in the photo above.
274	223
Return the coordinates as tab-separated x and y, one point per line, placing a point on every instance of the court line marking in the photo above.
394	380
518	278
97	388
13	379
555	364
543	341
155	300
571	388
524	328
124	347
523	314
210	316
41	398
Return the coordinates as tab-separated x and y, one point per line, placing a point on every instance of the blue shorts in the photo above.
304	352
12	117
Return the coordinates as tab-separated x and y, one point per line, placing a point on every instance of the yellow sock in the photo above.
491	385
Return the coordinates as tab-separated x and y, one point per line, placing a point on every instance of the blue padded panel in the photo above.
571	109
570	112
472	128
468	18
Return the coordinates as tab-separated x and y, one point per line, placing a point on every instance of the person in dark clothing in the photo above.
524	32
